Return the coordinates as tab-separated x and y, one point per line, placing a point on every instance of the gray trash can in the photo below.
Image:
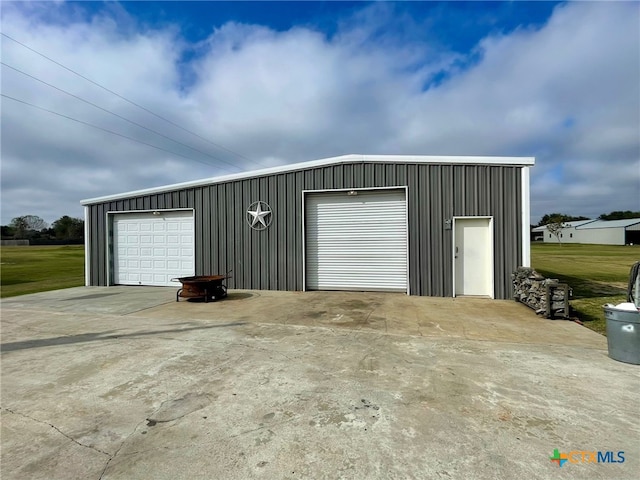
623	334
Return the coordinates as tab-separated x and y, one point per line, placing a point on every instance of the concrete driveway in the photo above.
125	383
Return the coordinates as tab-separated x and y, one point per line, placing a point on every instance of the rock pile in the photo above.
530	288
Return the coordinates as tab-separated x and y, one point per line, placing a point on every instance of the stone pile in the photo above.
530	288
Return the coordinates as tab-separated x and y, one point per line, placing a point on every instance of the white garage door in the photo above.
356	242
152	249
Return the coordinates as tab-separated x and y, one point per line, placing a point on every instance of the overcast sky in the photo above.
248	85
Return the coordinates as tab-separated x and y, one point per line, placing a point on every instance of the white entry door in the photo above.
152	249
473	256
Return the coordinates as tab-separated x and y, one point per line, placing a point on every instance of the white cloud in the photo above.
567	93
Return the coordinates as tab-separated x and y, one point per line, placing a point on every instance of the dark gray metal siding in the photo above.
272	259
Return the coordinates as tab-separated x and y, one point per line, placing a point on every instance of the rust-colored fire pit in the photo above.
207	287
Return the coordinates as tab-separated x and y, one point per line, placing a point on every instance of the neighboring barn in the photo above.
438	226
567	235
603	232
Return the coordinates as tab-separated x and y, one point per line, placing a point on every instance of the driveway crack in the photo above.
58	430
111	457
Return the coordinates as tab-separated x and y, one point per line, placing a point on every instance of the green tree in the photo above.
555	224
7	231
68	228
26	225
619	215
553	217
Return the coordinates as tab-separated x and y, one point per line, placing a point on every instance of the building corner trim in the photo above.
526	218
87	252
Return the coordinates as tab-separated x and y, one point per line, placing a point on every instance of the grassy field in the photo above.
38	269
598	274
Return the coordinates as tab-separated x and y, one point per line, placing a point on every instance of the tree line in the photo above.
65	230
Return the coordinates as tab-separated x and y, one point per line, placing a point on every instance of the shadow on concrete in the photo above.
97	336
230	297
90	297
239	296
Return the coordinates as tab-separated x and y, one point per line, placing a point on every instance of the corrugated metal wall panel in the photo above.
273	258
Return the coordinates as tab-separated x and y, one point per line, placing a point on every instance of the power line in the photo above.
115	114
132	102
104	129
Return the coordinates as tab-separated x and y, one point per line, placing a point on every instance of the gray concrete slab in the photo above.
121	383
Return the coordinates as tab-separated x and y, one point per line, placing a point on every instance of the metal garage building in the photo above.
438	226
597	232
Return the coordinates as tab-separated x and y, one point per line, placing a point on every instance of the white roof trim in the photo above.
445	160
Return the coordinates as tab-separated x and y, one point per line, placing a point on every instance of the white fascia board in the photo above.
344	159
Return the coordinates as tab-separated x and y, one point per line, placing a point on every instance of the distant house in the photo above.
602	232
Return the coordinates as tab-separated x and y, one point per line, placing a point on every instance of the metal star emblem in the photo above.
259	215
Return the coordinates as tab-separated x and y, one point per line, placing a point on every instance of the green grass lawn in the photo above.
40	268
598	274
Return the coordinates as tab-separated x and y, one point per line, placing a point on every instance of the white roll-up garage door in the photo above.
152	249
356	242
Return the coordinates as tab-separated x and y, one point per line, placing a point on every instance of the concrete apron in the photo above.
124	382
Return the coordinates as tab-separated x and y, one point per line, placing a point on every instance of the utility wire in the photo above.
132	102
105	129
115	114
